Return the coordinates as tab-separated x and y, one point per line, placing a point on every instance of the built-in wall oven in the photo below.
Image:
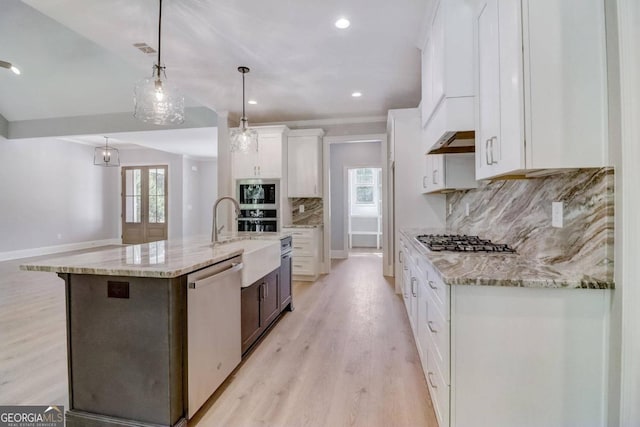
259	204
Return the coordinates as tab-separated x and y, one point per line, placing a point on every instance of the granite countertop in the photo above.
303	226
163	259
491	269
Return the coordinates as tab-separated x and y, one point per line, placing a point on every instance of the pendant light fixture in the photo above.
10	66
156	100
243	138
106	156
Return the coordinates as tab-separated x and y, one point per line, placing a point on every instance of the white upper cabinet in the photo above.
266	162
447	73
304	154
448	172
541	84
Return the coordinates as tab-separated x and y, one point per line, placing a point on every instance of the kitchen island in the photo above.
149	331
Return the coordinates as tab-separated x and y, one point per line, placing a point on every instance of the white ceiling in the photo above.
199	143
302	67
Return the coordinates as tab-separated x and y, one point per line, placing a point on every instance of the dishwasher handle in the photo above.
207	280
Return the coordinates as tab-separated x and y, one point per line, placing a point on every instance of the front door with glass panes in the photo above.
144	204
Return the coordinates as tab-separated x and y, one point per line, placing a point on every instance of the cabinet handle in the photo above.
430	381
429	323
433	176
413	291
431	285
493	139
259	172
486	151
315	189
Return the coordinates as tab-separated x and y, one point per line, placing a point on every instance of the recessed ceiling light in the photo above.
252	102
356	94
342	23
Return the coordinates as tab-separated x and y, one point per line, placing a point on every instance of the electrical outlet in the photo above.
466	209
557	214
301	208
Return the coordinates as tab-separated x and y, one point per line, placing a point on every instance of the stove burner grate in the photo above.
462	243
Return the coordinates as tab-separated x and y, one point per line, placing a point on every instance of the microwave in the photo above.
258	193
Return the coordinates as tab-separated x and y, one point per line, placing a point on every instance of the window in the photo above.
364	187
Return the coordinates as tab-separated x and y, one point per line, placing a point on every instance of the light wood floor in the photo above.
344	357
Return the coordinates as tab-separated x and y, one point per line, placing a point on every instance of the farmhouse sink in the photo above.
260	257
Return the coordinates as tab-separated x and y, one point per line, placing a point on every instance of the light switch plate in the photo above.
301	208
466	209
557	214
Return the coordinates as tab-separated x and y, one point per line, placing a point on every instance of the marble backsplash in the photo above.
518	212
312	215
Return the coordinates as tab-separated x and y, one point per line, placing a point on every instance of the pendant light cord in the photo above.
159	65
243	112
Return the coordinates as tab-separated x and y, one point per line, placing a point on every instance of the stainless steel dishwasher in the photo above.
213	329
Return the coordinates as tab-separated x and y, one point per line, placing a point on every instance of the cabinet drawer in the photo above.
304	246
438	389
305	266
439	337
300	232
439	291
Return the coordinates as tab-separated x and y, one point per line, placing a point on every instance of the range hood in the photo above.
455	142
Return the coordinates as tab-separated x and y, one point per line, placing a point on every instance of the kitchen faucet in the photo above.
215	230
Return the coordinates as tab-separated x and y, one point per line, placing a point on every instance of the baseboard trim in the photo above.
339	254
47	250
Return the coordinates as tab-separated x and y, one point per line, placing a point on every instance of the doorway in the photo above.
364	210
144	204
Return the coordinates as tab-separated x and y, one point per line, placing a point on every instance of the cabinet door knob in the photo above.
431	285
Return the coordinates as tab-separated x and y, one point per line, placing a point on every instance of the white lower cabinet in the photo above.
306	244
505	356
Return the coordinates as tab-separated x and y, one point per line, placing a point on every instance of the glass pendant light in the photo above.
156	100
243	138
106	156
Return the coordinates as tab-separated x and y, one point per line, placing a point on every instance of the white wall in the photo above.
52	194
199	194
347	155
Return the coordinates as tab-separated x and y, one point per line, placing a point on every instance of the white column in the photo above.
629	31
225	184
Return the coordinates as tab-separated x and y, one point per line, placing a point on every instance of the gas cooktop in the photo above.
461	243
